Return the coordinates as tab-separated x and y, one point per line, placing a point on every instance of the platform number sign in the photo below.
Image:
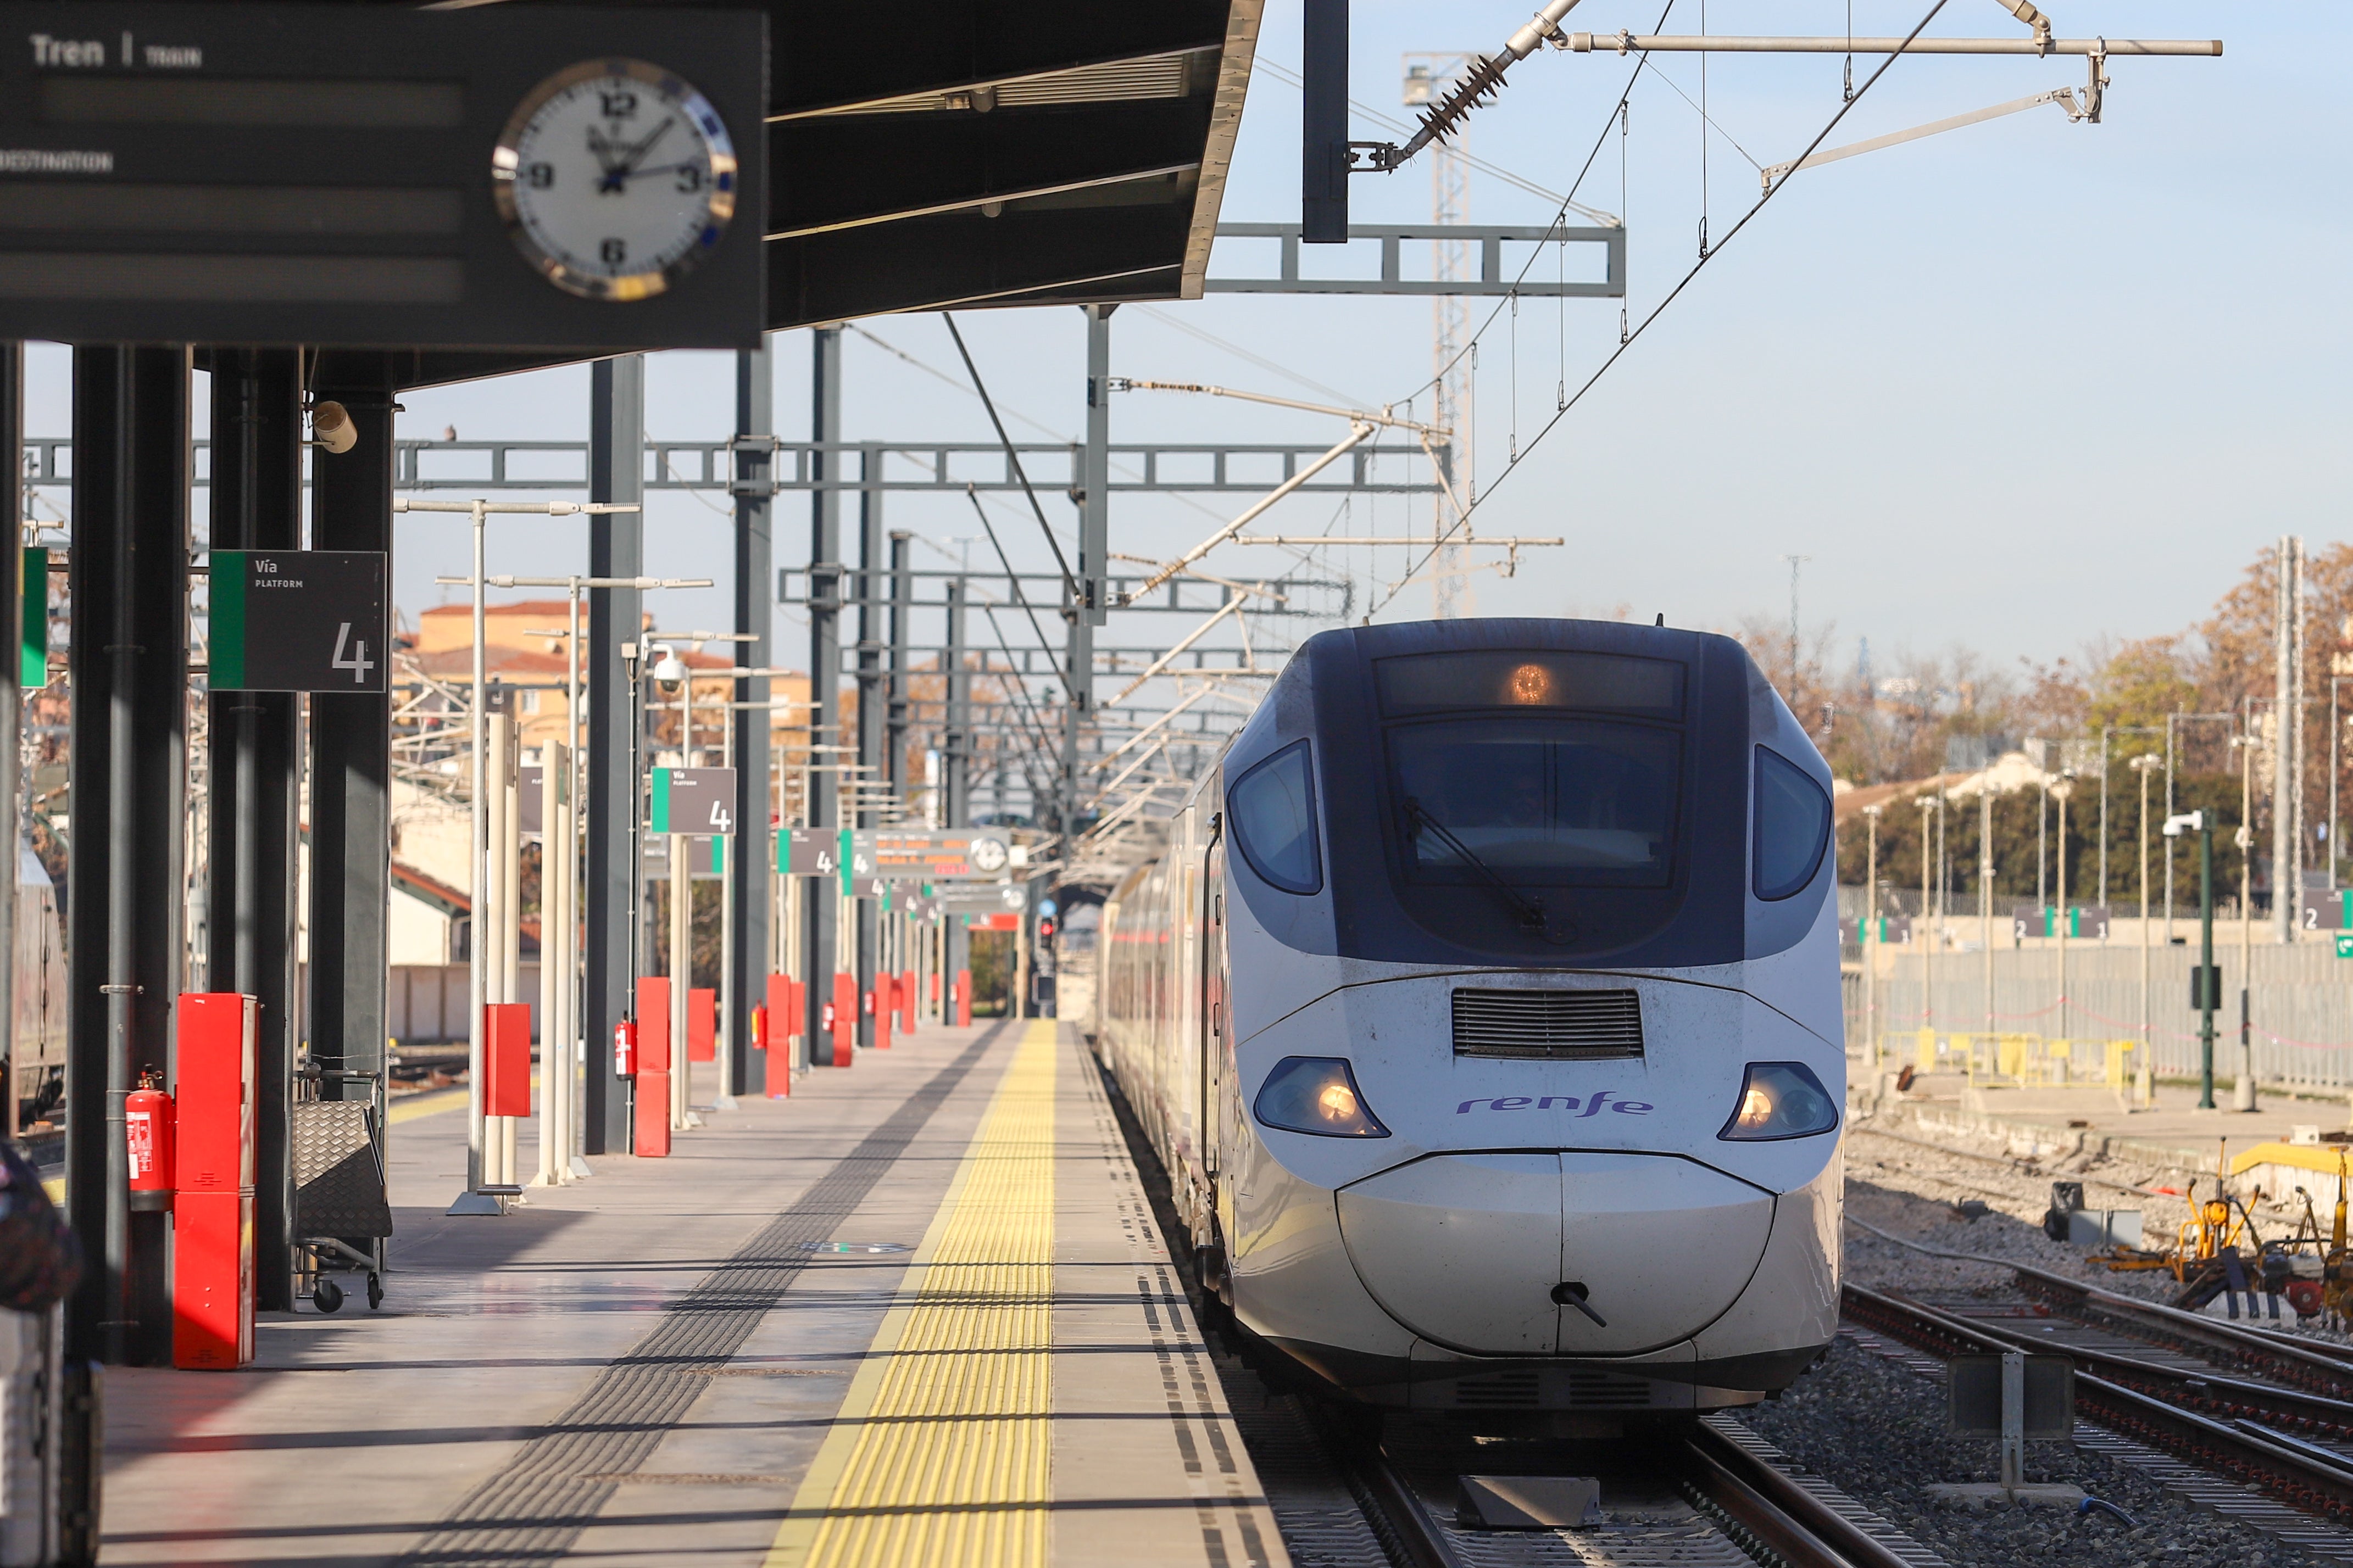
298	620
694	800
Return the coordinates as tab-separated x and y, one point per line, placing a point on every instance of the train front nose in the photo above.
1491	1253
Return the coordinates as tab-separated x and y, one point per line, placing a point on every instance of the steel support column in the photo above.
902	614
256	781
350	759
12	603
870	566
1094	544
129	663
955	770
617	473
821	895
753	861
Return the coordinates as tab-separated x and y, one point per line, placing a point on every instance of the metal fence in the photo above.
2300	1007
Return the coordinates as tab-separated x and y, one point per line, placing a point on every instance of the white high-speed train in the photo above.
1485	1011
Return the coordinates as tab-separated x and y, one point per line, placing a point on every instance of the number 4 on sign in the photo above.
721	819
359	664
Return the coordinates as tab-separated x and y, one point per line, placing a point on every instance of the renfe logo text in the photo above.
1566	1101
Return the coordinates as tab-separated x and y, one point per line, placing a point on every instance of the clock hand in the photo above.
658	169
642	148
618	169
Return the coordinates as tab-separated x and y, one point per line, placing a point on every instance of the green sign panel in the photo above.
33	669
694	800
2345	945
299	620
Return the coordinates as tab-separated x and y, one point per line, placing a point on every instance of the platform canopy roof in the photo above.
969	153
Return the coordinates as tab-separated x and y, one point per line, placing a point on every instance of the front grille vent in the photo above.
1499	1391
1548	1025
1603	1391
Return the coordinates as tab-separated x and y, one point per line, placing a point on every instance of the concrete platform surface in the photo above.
918	1313
2173	1133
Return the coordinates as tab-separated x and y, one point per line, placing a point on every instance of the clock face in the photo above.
615	178
988	854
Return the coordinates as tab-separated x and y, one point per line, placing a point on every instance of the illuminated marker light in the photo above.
1780	1099
1316	1095
1531	683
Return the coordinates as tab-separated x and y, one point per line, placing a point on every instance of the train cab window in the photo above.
1793	825
1546	801
1273	812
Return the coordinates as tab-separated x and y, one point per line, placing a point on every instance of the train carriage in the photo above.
1485	1011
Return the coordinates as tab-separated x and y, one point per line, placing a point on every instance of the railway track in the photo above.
2291	1446
1719	1497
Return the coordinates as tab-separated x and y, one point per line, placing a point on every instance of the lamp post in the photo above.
561	1053
1870	937
1984	902
2243	1093
1927	926
475	1199
2343	664
2060	791
2205	985
2146	1088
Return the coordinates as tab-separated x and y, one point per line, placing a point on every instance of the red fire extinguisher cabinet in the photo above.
651	1121
212	1275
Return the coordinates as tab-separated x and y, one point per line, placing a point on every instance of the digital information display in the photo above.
489	177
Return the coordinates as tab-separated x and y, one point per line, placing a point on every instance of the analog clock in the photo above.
615	178
988	854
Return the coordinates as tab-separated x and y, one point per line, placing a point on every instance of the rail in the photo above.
1763	1511
2300	1474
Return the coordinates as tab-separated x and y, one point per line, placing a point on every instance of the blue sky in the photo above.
2011	387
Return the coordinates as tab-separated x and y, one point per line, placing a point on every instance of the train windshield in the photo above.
1537	800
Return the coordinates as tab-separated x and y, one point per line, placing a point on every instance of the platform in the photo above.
2172	1135
918	1313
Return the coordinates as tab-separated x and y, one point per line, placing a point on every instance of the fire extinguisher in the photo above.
759	1029
825	1026
149	1123
625	1048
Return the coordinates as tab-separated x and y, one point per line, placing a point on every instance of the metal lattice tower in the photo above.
1426	73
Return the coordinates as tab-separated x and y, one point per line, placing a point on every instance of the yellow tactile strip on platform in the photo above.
942	1453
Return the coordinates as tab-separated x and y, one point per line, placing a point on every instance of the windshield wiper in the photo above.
1531	910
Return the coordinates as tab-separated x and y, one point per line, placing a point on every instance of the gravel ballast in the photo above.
1912	1191
1876	1430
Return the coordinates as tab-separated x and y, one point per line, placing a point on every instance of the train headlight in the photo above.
1780	1099
1316	1095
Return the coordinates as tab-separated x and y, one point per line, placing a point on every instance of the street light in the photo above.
2146	1085
1929	925
1870	937
2205	984
483	1196
2243	1094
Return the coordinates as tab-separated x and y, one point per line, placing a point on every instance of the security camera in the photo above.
331	427
667	670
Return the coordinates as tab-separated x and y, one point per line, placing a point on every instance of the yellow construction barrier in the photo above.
2121	1062
1926	1060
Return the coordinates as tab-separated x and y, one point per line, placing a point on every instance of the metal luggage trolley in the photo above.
339	1191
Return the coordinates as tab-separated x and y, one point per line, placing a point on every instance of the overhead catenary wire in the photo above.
1020	598
1069	582
1480	499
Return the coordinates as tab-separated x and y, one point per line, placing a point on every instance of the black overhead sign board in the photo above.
297	620
492	177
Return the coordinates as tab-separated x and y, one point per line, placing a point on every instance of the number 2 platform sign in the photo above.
299	620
